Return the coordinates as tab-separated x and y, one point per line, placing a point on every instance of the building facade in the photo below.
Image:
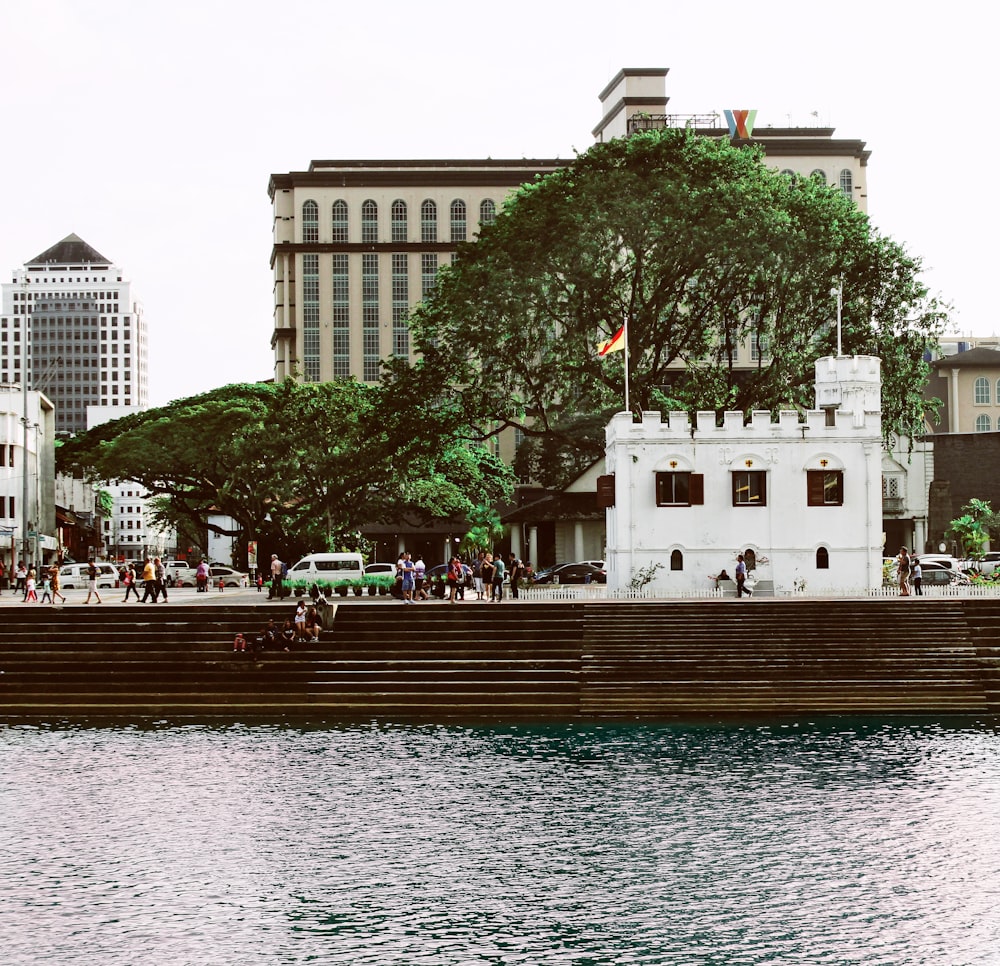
356	244
27	474
800	499
71	324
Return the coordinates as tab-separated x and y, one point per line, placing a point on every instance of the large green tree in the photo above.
703	249
298	466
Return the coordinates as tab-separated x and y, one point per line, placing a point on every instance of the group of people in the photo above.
153	577
28	581
303	626
488	575
909	573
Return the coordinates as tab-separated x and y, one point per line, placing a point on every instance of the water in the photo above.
834	842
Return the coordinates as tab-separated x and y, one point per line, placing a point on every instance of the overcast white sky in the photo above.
151	129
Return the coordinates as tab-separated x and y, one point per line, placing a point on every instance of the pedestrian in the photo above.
148	581
455	574
300	622
498	575
916	576
161	579
405	568
313	624
260	582
54	580
130	582
287	635
903	572
239	643
477	574
419	575
20	578
92	582
29	592
487	572
201	577
741	577
515	569
277	569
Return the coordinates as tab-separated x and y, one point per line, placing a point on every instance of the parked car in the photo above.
944	559
572	573
441	569
229	577
988	564
380	568
599	564
74	576
328	566
939	574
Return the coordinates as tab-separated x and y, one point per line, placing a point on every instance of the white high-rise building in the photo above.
69	312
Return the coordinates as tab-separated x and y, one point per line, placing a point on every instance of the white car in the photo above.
74	576
989	563
229	577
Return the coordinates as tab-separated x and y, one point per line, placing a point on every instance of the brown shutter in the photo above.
815	487
605	491
696	489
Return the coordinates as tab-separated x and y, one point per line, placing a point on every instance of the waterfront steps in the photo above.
652	659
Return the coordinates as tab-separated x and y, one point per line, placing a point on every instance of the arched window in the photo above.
819	174
399	220
981	391
676	560
310	221
847	183
340	221
428	222
458	220
998	392
788	173
750	559
487	211
983	424
822	559
369	222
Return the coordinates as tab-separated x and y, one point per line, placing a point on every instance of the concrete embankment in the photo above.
538	661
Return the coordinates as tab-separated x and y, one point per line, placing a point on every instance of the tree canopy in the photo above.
703	249
298	466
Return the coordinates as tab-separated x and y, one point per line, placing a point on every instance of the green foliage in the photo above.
485	530
297	466
105	502
642	576
972	528
703	248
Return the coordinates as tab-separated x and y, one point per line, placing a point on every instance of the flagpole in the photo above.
625	326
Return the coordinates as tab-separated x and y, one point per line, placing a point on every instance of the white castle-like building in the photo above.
799	495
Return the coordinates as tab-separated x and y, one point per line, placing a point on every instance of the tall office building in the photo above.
70	314
358	243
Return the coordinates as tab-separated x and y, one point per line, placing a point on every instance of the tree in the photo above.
702	248
297	466
972	528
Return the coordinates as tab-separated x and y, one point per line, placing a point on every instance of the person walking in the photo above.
54	579
130	581
20	579
498	575
515	569
406	570
276	572
916	576
161	578
903	572
741	577
29	587
148	581
487	570
92	582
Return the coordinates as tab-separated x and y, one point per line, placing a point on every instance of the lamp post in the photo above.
24	417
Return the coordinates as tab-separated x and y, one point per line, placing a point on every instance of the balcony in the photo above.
892	506
656	122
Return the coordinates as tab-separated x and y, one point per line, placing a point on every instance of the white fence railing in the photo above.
600	592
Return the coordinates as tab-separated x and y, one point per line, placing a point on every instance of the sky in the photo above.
151	130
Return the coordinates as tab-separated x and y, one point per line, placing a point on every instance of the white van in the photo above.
328	566
74	576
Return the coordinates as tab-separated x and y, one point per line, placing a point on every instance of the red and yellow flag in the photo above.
615	344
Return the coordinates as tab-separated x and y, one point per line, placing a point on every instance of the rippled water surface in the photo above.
834	842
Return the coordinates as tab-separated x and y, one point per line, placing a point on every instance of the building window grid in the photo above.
428	273
459	221
750	488
369	222
339	222
981	391
400	305
428	223
847	183
487	211
984	423
310	317
310	222
399	221
369	318
341	318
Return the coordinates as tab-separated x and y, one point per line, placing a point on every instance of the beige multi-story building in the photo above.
358	243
